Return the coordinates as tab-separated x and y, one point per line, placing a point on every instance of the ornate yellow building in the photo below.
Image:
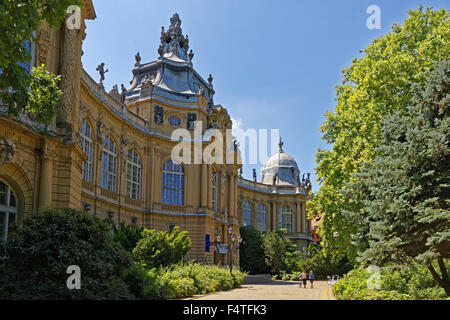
110	153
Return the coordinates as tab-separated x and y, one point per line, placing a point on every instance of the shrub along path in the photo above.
276	290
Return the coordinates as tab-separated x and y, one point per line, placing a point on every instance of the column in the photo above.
204	188
209	187
67	117
276	215
231	203
45	186
268	216
299	217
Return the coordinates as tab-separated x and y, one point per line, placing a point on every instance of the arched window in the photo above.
8	210
261	214
172	183
247	213
109	165
133	176
286	218
214	191
87	139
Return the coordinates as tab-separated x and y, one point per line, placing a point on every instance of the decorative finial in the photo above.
210	79
138	59
101	70
281	144
254	175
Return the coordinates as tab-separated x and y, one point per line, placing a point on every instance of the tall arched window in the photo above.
247	213
133	176
109	165
261	215
8	209
286	218
87	139
214	191
172	183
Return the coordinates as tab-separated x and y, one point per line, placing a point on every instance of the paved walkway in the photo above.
276	290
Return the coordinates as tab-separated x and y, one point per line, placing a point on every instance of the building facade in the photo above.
109	153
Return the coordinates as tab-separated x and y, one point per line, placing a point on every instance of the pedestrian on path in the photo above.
311	278
303	278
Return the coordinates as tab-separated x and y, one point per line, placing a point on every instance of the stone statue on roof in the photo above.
101	71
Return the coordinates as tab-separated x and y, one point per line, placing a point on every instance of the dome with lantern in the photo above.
281	169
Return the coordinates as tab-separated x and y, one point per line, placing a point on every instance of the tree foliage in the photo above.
159	249
405	190
127	236
18	21
251	251
40	251
44	95
374	86
276	247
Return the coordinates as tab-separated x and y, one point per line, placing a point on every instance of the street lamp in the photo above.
232	240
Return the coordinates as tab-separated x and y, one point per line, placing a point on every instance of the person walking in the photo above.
303	278
311	278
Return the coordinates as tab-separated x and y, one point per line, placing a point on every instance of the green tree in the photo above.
276	249
40	250
159	249
375	85
405	190
18	21
44	95
251	251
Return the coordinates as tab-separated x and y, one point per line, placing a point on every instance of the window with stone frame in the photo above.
286	218
191	118
172	184
214	191
158	115
247	213
261	218
133	176
109	165
8	210
87	144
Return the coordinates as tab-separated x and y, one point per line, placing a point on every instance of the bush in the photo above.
127	236
413	282
159	249
41	249
180	281
353	286
251	251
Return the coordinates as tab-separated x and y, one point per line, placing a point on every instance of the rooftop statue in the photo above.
101	70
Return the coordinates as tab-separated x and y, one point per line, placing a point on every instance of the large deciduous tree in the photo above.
18	21
374	86
405	190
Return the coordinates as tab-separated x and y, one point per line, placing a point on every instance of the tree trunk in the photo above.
444	281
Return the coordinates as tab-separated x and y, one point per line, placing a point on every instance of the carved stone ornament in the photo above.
7	151
173	41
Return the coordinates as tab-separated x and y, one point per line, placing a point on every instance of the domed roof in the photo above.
281	169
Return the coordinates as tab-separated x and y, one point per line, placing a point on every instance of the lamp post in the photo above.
232	240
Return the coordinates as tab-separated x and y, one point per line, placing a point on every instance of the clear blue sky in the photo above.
275	63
